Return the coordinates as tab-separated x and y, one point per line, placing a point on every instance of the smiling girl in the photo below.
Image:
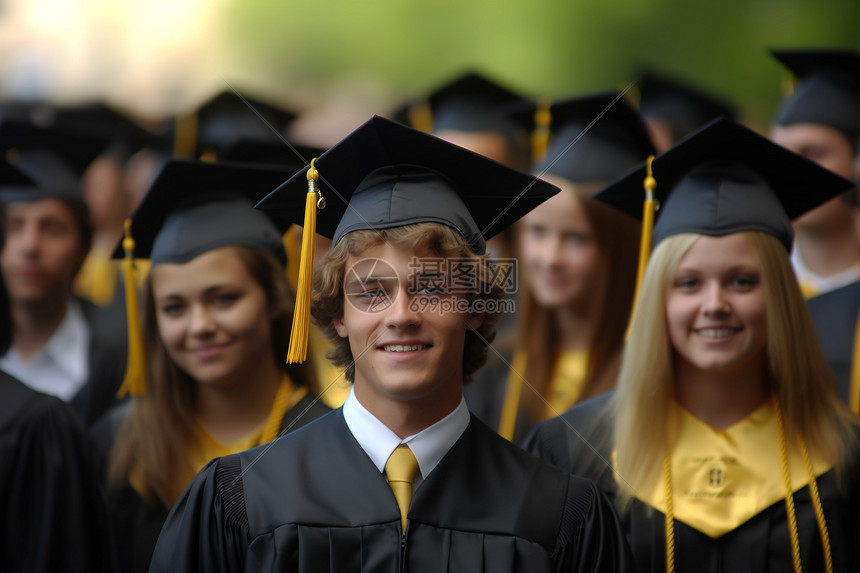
725	443
216	326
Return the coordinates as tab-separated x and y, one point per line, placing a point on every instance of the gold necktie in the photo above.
400	470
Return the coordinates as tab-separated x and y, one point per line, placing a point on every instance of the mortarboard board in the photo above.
124	135
194	207
593	138
385	175
281	153
827	90
11	176
472	102
229	117
469	103
46	154
682	106
725	179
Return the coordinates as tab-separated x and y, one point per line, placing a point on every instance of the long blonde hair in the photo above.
797	370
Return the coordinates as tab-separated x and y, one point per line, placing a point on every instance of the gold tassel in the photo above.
298	350
421	117
135	381
185	136
540	135
650	184
854	393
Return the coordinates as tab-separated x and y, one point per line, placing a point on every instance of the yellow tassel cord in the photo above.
791	514
298	350
135	381
854	392
185	137
421	117
540	135
670	515
513	391
648	209
789	500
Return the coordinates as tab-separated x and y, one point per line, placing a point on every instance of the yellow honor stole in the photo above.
722	478
203	447
568	378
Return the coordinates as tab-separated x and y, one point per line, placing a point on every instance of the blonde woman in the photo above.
725	444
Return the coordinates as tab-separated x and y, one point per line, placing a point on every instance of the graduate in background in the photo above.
725	443
577	271
53	511
410	331
821	121
217	317
673	109
63	345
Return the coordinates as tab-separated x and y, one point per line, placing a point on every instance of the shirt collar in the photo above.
68	347
429	445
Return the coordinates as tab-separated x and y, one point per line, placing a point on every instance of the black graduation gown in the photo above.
835	316
314	502
137	524
760	545
107	358
51	505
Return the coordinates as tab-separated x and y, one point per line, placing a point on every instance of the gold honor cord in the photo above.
854	391
134	382
789	503
648	209
314	200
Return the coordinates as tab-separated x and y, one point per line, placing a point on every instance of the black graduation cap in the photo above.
593	138
472	102
827	92
724	179
124	135
194	207
54	160
683	107
11	176
386	175
229	117
281	153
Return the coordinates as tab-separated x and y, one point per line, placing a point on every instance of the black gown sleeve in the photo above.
597	542
51	502
207	529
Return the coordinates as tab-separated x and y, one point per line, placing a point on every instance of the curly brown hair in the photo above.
435	239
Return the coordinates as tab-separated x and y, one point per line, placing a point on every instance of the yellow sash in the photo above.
723	478
568	379
203	447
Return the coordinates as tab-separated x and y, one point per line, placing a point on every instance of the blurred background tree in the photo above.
163	56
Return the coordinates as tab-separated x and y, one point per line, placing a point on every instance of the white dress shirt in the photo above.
62	366
429	445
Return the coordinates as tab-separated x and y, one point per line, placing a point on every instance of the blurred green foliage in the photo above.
550	48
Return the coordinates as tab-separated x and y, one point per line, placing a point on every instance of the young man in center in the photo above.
402	478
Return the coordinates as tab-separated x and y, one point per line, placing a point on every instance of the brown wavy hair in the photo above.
433	238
